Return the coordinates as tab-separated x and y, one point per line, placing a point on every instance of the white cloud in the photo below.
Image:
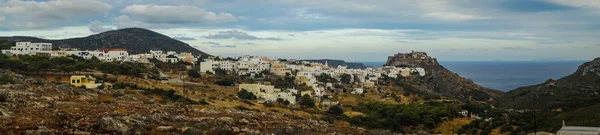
33	14
448	16
97	27
175	14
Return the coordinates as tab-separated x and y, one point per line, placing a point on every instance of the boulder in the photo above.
191	131
112	125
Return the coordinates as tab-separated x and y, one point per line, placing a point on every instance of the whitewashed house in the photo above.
29	48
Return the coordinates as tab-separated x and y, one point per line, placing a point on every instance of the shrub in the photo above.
225	82
242	108
336	110
3	97
506	128
307	101
4	79
243	94
193	74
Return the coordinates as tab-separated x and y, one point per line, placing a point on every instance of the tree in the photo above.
194	74
336	110
345	78
243	94
219	71
506	128
325	78
307	102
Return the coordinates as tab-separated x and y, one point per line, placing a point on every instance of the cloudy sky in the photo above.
353	30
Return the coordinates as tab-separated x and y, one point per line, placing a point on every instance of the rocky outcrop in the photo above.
412	59
439	80
591	68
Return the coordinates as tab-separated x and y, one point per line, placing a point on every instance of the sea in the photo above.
507	75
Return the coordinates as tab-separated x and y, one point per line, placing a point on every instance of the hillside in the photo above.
577	90
134	40
335	63
441	81
34	106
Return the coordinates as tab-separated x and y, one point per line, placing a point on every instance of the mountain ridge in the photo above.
134	40
576	90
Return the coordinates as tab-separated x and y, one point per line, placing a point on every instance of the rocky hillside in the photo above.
33	106
579	89
442	81
135	40
336	63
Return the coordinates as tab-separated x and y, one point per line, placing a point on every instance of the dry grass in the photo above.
121	109
352	114
105	97
497	132
449	127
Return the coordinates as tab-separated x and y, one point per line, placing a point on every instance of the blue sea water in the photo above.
507	75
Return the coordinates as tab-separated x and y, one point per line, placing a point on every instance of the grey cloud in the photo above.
211	43
235	34
159	14
291	35
516	48
97	27
32	14
223	46
247	43
184	38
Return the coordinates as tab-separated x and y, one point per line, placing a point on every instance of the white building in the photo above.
578	130
28	48
357	91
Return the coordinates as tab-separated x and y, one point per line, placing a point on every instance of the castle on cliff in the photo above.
412	59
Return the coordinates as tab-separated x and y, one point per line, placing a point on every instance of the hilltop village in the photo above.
319	77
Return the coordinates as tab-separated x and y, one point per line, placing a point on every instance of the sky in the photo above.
351	30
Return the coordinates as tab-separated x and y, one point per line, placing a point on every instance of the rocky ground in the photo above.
37	107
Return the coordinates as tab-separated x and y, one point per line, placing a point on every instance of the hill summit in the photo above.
134	40
579	89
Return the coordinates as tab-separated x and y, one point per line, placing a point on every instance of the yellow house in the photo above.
301	80
309	93
186	54
84	81
253	88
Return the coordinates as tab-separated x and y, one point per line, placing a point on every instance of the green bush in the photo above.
336	110
395	117
3	97
194	74
243	94
506	128
307	101
226	82
4	79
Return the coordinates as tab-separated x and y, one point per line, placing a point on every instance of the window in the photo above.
72	81
78	81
